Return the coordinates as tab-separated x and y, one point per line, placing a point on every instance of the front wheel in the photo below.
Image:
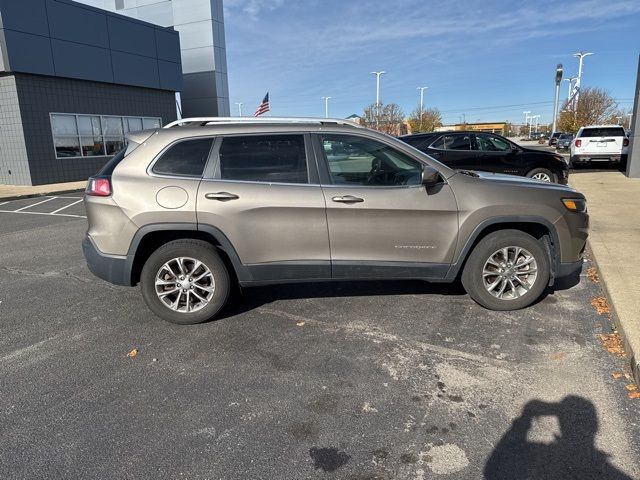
507	270
542	174
185	282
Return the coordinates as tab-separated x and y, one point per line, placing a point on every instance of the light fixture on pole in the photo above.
239	108
326	106
570	80
422	89
557	96
378	75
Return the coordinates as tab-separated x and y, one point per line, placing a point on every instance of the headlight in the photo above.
575	204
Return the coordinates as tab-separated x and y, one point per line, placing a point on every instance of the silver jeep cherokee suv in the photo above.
190	209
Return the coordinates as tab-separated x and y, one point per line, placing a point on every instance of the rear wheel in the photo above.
507	270
542	174
185	282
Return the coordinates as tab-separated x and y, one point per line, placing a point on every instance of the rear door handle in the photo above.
222	196
347	199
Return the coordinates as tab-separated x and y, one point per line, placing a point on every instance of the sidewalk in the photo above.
613	202
12	192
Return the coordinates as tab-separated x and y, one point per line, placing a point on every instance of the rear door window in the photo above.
603	132
186	158
453	142
264	158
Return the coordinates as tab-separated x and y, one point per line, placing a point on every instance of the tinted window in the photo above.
421	143
361	161
264	158
490	143
186	158
603	132
453	142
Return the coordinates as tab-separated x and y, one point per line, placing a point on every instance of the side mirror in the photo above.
514	149
430	176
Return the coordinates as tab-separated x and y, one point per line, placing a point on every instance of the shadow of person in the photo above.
572	454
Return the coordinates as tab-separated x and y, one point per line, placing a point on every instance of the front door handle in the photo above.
222	196
347	199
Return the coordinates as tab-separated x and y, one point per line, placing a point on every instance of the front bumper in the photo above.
112	268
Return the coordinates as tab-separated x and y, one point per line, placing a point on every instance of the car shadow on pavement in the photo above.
523	452
254	297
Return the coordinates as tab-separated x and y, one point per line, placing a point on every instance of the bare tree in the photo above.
390	120
594	106
422	120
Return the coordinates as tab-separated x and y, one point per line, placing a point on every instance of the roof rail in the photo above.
204	121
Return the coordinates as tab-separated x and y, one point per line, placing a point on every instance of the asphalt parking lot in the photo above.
378	380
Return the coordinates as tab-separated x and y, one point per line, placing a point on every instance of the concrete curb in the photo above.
634	357
42	194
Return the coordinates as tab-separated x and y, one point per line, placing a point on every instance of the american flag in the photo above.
263	107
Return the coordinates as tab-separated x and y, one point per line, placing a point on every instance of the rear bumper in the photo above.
112	268
591	157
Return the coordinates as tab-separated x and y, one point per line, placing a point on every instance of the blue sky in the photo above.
488	60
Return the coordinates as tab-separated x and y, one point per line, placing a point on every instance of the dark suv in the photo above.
489	152
190	209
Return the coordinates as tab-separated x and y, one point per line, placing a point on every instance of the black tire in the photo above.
473	279
198	250
543	171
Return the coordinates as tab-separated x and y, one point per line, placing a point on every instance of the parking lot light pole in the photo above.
378	75
326	106
239	108
557	96
580	56
422	89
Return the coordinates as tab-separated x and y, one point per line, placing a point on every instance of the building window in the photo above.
94	135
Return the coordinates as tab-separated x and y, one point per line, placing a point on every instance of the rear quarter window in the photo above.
186	158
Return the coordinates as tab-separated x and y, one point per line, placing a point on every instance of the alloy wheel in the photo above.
509	273
184	284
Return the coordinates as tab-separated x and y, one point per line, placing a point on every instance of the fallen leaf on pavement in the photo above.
132	353
631	387
633	394
600	304
617	375
592	274
558	356
300	324
613	343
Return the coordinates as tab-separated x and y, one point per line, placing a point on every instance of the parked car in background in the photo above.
190	209
554	138
564	142
600	143
490	153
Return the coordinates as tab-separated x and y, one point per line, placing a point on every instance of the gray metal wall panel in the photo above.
131	69
129	36
167	45
14	164
29	53
86	43
28	16
170	75
76	60
77	24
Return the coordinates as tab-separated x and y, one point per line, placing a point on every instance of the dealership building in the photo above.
75	79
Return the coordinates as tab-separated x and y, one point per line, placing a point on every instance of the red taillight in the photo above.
99	187
625	142
578	143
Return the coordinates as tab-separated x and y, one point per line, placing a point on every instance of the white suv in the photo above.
599	143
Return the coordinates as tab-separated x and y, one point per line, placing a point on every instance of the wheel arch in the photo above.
538	227
150	237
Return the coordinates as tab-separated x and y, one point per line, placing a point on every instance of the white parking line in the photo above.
70	205
4	203
34	204
42	213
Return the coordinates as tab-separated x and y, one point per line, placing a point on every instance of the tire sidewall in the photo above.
472	273
194	249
